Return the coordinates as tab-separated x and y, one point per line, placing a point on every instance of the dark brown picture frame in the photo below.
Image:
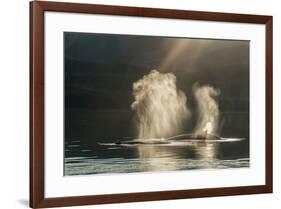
37	10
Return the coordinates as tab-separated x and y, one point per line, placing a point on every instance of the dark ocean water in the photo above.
101	158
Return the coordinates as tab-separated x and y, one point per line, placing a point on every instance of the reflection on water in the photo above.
168	158
81	159
206	151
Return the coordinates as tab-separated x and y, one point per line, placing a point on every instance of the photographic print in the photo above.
137	103
175	103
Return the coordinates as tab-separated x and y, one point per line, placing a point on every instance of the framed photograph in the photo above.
140	104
